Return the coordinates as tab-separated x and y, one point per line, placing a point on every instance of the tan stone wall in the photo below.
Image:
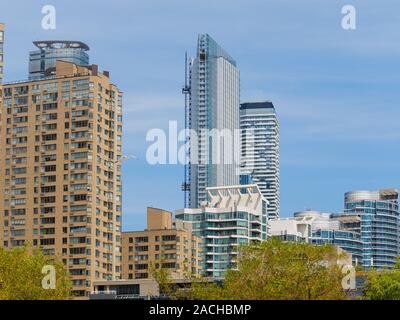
175	249
158	219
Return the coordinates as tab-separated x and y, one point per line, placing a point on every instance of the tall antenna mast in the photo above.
186	92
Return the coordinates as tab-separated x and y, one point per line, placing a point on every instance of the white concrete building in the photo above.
234	215
301	226
320	228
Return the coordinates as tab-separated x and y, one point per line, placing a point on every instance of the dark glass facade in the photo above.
42	61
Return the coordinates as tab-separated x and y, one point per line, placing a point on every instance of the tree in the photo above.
162	277
383	284
276	270
166	284
21	275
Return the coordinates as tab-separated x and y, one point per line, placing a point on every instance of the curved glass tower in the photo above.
43	61
379	225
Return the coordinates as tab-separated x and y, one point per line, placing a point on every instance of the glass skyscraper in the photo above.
260	150
1	51
214	117
378	212
42	62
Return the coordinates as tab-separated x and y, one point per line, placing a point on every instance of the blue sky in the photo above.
336	92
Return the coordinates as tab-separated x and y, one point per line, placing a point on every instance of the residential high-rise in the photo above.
162	245
60	177
260	150
42	62
1	52
214	116
234	215
378	216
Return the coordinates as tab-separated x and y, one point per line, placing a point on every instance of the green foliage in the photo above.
276	270
162	277
21	275
167	286
383	284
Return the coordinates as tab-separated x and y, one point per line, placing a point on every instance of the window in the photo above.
141	239
141	248
143	266
50	106
169	238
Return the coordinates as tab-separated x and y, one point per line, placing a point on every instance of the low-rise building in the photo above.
368	228
125	289
318	228
163	244
141	289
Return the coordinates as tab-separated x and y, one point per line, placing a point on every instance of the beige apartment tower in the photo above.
60	170
162	245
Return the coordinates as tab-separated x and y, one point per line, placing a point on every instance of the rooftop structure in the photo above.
42	62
